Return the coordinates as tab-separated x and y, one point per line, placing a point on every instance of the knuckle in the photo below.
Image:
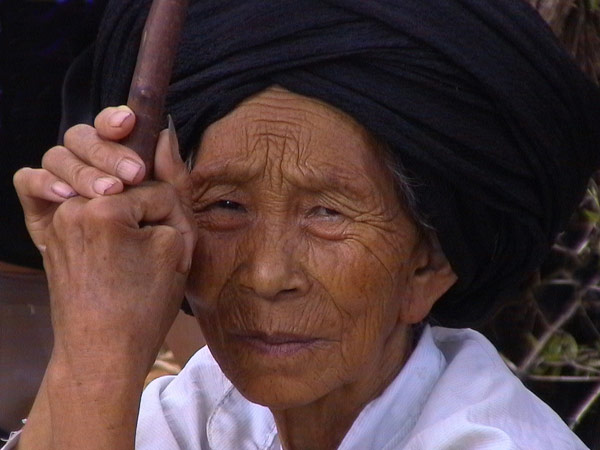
30	182
20	177
84	217
169	192
101	209
54	154
69	213
159	191
169	241
166	234
79	174
75	133
97	150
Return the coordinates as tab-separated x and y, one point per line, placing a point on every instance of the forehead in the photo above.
280	128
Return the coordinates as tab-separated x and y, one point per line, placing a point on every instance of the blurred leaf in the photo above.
561	346
591	216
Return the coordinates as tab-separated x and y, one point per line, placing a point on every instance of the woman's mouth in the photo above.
278	344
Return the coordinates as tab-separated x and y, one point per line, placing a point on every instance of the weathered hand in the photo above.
116	284
116	260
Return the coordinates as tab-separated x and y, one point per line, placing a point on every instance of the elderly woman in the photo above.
356	170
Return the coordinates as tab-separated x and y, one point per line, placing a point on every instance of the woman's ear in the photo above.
431	276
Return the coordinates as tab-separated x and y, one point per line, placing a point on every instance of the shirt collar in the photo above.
389	418
240	424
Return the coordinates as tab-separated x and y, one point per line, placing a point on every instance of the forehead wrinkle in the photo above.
320	178
308	114
224	170
281	142
276	135
264	154
310	174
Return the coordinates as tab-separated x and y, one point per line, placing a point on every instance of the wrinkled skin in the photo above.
306	276
302	240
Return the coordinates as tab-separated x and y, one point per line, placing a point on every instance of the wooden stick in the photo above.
152	75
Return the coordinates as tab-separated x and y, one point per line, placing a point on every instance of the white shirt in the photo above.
454	392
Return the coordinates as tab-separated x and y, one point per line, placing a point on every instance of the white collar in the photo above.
389	418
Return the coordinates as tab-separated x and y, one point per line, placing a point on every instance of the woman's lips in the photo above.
278	344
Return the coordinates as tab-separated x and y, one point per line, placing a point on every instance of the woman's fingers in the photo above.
109	156
84	178
43	185
158	203
92	162
98	147
40	192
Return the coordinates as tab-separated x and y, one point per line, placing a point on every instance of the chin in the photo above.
278	383
278	392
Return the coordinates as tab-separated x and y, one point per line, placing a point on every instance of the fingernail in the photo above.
62	189
118	117
173	140
103	184
128	169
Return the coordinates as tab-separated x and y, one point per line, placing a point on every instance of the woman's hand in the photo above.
106	241
116	260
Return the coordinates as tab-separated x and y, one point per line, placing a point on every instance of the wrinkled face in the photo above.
302	274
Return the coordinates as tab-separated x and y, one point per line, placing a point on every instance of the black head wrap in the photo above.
486	112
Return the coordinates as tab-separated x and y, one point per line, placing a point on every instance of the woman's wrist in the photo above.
102	371
101	404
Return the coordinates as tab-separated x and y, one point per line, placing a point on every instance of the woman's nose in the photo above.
273	266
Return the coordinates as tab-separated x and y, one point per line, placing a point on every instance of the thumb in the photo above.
168	165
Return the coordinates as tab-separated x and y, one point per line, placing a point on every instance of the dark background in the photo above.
38	41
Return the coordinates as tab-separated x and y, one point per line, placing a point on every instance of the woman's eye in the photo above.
223	206
228	204
327	223
322	211
222	215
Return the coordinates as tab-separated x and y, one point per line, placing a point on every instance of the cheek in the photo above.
366	290
363	273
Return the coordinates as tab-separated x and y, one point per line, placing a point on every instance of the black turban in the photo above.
488	115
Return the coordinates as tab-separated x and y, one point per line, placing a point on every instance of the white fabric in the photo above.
455	392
